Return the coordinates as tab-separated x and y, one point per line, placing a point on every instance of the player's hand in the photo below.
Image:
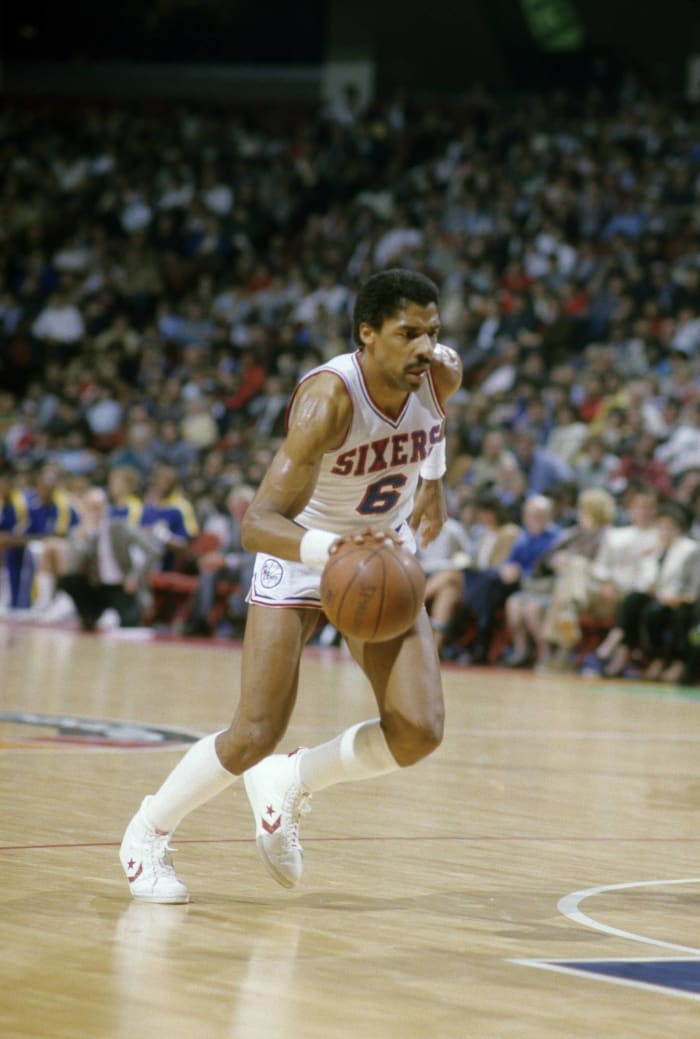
364	536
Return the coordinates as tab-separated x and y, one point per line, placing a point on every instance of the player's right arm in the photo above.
319	421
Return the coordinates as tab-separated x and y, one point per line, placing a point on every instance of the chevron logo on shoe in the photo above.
272	827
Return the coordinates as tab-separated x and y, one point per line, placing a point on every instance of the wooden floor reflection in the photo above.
557	825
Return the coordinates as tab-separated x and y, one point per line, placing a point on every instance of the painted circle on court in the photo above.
24	730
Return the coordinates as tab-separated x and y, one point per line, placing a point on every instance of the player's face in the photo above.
403	348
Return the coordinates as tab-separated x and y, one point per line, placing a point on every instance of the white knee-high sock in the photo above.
197	777
45	587
360	752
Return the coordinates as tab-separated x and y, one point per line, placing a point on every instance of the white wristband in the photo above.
435	464
314	547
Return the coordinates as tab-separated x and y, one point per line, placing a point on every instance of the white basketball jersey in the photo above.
371	479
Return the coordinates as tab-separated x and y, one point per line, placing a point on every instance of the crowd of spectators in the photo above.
168	274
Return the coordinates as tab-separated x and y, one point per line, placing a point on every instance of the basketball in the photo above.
372	591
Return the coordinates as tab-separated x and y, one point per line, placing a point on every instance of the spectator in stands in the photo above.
176	451
123	483
52	515
14	520
452	547
638	465
198	428
226	564
168	515
268	409
594	464
249	381
681	450
526	607
541	468
568	434
104	416
107	567
538	536
485	468
554	629
60	322
451	591
654	618
141	448
694	504
596	590
565	502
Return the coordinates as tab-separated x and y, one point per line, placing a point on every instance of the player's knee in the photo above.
247	745
410	740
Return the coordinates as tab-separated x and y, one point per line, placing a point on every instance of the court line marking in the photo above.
568	906
645	986
582	734
477	838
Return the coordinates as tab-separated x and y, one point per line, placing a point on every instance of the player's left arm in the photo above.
430	508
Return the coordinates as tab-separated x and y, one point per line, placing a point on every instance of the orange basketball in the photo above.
372	591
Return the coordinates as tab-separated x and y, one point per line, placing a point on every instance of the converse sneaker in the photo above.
147	859
278	801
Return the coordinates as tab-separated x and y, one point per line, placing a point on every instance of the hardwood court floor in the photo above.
557	824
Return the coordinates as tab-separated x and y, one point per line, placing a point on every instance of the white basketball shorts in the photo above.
281	582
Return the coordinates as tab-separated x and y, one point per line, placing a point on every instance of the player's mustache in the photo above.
421	366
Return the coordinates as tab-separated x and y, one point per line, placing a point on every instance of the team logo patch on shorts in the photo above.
271	573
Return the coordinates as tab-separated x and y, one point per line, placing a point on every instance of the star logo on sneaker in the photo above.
130	875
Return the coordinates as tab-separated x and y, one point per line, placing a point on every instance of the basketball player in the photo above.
125	504
52	515
361	430
14	519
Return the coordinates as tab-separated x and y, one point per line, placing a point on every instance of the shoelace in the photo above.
296	803
162	855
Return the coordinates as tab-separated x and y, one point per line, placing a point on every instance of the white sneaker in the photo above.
278	801
61	608
109	620
328	635
146	857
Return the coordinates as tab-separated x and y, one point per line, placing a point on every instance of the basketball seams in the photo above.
380	609
342	560
338	559
346	592
370	595
369	559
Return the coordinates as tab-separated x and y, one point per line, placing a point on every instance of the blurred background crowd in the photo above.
168	273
